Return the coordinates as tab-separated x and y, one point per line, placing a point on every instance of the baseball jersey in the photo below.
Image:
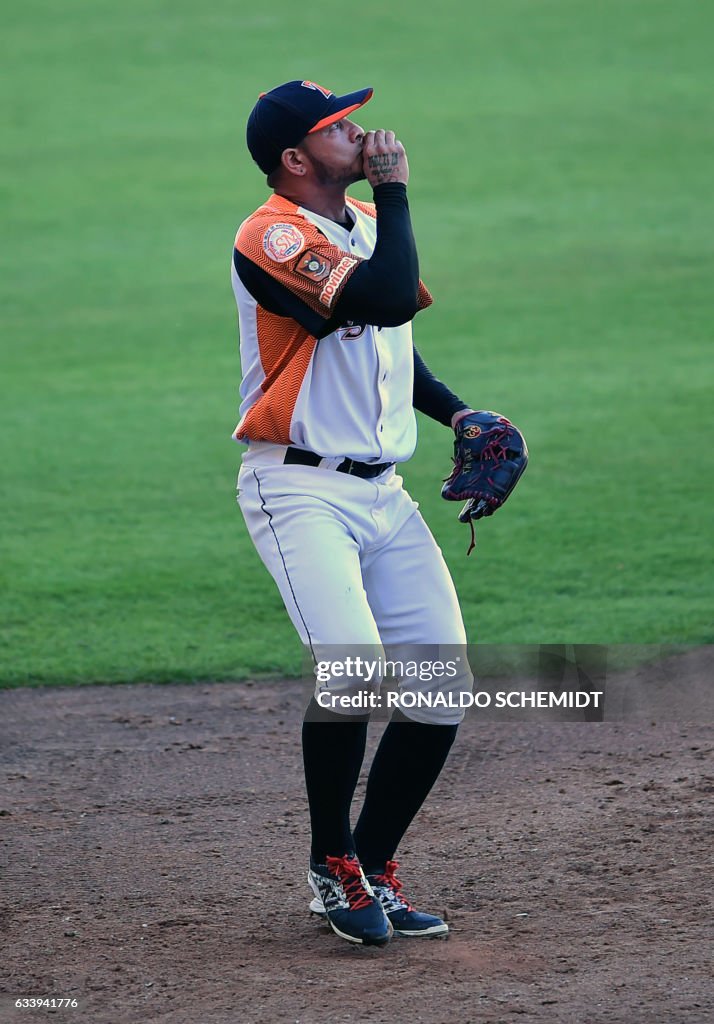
337	389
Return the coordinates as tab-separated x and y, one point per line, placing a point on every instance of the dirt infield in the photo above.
155	839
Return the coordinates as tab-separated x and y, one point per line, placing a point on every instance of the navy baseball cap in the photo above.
284	116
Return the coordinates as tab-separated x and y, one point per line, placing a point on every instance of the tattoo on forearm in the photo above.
383	165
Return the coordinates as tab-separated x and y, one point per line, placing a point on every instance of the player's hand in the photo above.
383	158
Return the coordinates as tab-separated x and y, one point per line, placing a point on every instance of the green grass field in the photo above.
561	158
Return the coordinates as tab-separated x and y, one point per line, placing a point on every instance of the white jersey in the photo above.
345	393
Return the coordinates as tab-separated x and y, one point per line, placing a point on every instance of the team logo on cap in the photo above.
313	266
318	88
283	241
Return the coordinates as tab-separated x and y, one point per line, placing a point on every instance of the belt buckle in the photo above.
352	466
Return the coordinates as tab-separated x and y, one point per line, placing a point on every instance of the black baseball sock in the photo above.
408	761
333	752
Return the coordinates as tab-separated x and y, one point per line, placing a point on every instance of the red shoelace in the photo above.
390	878
349	872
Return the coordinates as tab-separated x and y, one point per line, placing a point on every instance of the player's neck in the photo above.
325	202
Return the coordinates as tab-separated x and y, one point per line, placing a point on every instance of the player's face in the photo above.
335	153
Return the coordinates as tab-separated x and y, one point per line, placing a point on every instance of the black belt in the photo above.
365	470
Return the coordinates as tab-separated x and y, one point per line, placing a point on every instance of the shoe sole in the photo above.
321	912
360	942
316	907
436	932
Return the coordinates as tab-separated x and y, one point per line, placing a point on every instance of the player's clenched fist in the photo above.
384	158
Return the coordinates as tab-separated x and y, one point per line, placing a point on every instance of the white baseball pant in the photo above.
358	570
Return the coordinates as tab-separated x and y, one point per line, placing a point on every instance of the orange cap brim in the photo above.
340	114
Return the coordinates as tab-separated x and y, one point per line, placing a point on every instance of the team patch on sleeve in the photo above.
313	266
336	278
281	242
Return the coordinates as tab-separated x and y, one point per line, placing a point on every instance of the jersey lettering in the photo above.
328	293
351	333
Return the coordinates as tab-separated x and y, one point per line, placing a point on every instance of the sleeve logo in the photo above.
283	241
313	266
327	295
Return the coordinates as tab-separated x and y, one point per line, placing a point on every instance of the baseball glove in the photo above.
490	454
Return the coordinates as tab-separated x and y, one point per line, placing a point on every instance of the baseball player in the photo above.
327	287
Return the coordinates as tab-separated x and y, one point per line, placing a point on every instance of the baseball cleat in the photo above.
344	896
404	918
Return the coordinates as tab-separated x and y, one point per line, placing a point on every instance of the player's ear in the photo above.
294	162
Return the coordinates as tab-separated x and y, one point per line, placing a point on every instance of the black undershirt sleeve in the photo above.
383	290
431	396
276	298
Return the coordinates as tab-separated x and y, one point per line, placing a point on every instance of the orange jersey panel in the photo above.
295	253
286	355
